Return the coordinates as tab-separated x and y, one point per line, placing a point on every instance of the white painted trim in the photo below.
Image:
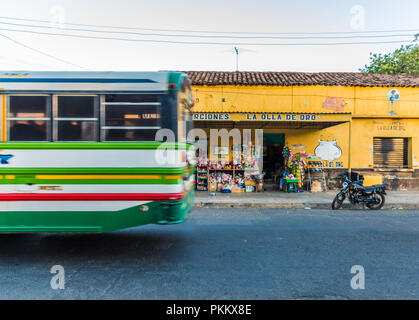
76	119
93	188
130	128
132	103
113	158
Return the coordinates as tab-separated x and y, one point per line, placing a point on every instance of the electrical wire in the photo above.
210	36
206	43
28	63
213	32
41	52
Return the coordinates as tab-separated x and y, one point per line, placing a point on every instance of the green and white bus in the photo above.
78	150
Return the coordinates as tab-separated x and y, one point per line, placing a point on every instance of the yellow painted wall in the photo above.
242	98
373	102
368	106
310	139
364	130
362	101
311	98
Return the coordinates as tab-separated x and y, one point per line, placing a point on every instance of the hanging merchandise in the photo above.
288	155
297	167
285	153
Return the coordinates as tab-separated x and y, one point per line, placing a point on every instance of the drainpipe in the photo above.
350	147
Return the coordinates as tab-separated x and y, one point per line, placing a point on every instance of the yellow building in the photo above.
364	123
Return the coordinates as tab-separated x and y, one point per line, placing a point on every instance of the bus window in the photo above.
29	118
76	118
131	117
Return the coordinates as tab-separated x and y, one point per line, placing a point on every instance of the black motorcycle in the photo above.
372	197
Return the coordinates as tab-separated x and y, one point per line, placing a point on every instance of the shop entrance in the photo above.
273	160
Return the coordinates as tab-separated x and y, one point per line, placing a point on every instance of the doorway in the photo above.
273	160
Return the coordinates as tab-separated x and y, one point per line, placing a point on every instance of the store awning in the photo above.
265	125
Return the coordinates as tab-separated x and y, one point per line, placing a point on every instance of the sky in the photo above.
239	18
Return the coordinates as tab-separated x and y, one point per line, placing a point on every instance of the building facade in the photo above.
336	122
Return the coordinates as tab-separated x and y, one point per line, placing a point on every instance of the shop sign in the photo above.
211	116
393	126
325	164
255	117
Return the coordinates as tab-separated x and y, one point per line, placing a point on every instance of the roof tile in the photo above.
253	78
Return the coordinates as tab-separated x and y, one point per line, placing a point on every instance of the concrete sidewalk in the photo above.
318	200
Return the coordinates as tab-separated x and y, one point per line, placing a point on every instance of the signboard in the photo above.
306	117
325	164
255	117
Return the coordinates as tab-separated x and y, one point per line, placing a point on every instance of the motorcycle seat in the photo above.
375	187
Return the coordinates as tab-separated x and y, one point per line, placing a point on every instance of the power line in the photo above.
41	52
214	32
24	62
211	36
203	42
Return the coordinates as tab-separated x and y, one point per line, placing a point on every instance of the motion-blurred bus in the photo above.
78	150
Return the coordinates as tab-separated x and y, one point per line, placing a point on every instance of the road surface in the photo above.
224	254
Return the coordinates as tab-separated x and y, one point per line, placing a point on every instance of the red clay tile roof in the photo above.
212	78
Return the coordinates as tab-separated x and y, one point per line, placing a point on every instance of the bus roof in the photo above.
94	81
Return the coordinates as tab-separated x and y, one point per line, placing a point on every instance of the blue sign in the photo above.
4	158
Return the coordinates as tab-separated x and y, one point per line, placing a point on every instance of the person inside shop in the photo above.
283	180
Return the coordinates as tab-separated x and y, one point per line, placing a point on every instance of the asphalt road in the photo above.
224	254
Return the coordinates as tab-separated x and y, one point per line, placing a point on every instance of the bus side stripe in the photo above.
92	170
90	196
80	177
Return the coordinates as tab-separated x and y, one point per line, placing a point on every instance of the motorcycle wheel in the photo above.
379	205
337	201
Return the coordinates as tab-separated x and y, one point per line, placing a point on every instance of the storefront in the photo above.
316	126
284	141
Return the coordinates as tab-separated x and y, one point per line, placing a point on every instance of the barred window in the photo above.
29	118
131	117
76	118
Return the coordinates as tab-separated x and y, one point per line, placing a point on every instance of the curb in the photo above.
242	205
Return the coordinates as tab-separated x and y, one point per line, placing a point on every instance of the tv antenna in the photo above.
237	51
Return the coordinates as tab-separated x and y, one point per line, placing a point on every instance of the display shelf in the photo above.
201	182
